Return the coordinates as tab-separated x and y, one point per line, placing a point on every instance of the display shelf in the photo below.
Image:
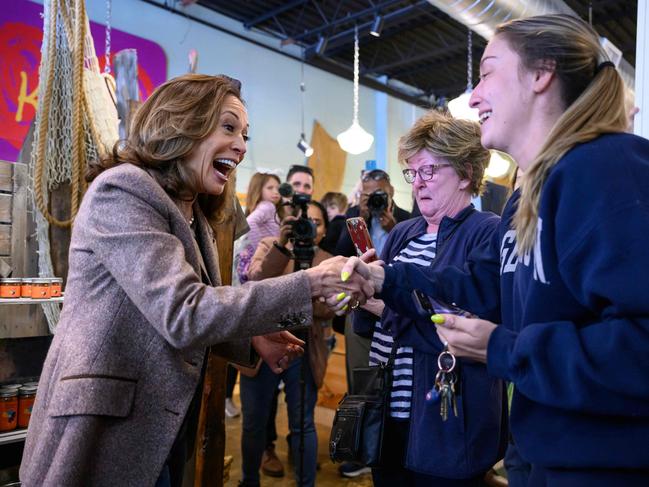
30	300
13	436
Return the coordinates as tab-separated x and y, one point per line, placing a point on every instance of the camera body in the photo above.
303	230
377	202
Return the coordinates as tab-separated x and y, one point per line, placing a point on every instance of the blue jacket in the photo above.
470	444
575	311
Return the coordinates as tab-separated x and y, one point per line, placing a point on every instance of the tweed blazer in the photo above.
127	354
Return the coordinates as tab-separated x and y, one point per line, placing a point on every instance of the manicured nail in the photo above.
437	319
340	296
345	307
344	276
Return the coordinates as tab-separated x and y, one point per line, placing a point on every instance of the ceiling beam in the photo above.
346	35
272	13
417	58
342	20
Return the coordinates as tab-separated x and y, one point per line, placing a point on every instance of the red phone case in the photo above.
357	229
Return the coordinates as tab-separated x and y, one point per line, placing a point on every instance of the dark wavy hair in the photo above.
176	117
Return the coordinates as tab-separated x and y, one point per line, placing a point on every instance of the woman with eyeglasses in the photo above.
574	333
444	162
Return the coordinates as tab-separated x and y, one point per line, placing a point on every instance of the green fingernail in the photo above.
345	307
437	319
344	276
341	296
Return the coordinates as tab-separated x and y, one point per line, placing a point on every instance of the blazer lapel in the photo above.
207	244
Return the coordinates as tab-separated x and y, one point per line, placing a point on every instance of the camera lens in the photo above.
377	202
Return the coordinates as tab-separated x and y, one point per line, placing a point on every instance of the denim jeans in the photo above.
257	394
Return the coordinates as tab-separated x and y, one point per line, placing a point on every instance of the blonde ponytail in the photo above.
593	93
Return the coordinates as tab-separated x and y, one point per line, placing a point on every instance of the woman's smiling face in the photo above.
215	157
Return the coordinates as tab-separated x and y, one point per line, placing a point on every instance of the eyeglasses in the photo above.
426	173
376	175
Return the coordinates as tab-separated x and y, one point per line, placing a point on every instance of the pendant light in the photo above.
302	144
355	139
459	107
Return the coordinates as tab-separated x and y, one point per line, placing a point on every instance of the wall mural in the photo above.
21	35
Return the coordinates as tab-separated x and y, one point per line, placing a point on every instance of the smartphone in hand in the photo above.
357	229
427	306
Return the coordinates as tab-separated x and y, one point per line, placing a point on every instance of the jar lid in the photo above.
42	280
8	392
57	279
11	386
30	384
27	279
26	390
11	280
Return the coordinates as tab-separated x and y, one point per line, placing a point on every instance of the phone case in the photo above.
357	229
427	306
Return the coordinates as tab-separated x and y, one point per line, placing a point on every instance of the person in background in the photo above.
377	208
262	204
571	259
445	162
336	206
273	258
301	179
120	389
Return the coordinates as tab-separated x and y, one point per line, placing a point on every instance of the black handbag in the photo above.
357	431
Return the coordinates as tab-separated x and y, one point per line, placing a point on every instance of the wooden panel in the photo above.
5	207
5	176
5	240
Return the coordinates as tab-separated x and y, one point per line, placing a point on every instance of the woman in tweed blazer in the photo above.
143	297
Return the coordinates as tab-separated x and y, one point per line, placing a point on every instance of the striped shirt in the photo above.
419	251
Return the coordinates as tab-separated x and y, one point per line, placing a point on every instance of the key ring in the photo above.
448	356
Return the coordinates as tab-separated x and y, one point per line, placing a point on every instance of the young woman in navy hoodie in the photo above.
574	337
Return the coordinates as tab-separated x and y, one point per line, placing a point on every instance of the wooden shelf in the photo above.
30	300
13	436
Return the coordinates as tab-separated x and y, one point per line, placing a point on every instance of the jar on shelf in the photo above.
8	409
26	287
26	398
56	287
10	288
41	288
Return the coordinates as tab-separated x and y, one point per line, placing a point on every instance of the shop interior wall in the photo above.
270	88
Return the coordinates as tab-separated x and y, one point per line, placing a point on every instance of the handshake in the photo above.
346	283
343	284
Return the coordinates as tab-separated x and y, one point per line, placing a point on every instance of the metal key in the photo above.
445	383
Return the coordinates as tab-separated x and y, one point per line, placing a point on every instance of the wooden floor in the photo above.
333	389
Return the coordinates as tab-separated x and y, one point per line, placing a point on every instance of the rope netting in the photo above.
76	120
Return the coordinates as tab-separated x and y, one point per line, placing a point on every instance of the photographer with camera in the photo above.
377	209
298	242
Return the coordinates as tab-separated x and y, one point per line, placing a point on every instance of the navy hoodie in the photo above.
575	312
470	444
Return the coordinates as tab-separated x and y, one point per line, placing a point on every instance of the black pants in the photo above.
392	472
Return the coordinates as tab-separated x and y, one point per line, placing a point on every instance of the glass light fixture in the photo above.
355	139
499	165
459	107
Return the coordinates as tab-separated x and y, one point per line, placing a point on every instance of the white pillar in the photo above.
641	122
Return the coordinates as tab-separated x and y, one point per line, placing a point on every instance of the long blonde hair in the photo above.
593	96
